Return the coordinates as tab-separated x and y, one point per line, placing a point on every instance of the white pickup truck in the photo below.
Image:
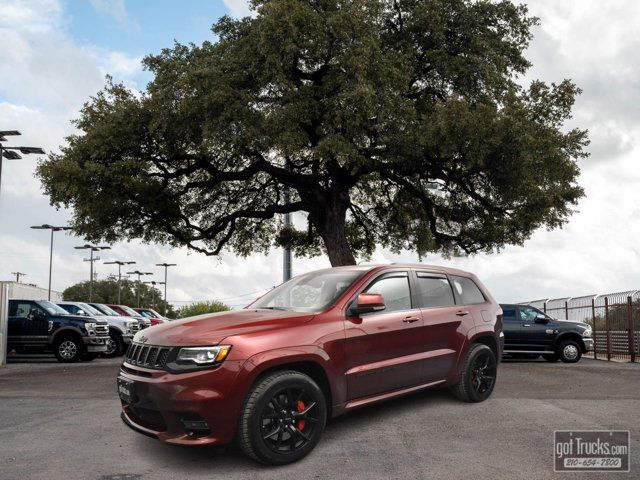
121	329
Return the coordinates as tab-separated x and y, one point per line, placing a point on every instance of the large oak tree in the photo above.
400	123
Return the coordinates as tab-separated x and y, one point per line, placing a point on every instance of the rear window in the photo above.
468	290
434	291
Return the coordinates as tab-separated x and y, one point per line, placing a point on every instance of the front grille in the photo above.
148	356
102	329
135	328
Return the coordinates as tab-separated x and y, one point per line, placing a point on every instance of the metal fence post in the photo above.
606	326
4	321
632	350
595	330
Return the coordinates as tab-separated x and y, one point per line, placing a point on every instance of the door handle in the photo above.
526	324
462	313
410	319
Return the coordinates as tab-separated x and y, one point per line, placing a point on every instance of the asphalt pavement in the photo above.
62	422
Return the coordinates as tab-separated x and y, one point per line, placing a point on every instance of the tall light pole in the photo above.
286	253
120	263
92	248
10	153
139	273
53	229
166	266
153	284
18	275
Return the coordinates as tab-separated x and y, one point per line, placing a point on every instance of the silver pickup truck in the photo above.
121	329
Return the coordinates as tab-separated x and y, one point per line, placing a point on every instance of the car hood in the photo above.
574	322
212	328
81	318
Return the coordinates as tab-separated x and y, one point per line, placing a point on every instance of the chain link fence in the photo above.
614	317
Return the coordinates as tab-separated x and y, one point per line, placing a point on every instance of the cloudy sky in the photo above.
56	53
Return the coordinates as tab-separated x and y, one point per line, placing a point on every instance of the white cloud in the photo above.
239	8
113	8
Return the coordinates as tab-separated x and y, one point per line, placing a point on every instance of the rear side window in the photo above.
468	290
508	314
434	291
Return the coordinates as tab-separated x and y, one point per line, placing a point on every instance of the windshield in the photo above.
312	292
130	311
52	308
106	310
90	310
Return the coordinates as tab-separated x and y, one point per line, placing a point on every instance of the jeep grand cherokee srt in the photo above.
315	347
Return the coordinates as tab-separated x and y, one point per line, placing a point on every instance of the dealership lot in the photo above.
62	422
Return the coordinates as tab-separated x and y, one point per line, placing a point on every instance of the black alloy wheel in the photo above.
282	418
477	376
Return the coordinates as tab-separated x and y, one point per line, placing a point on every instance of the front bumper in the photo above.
163	405
588	344
96	344
127	339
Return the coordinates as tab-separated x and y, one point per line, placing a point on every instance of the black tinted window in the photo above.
435	292
508	314
19	309
468	290
395	292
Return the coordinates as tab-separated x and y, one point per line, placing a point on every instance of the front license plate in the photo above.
125	389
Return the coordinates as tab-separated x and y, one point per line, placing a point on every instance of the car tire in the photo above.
477	376
68	349
282	419
569	351
115	346
551	357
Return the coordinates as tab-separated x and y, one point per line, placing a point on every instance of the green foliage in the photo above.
106	291
200	308
394	123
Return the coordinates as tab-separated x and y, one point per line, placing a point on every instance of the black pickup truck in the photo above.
38	326
529	333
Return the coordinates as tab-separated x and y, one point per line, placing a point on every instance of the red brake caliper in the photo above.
301	423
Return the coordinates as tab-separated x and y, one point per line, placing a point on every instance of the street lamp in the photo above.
120	263
92	248
10	153
166	266
53	229
139	273
153	284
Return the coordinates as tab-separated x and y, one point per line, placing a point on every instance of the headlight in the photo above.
587	332
90	327
204	355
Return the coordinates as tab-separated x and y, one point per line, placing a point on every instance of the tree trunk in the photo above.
330	224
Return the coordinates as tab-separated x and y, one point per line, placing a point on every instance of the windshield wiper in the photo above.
273	308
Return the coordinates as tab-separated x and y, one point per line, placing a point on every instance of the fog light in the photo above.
194	425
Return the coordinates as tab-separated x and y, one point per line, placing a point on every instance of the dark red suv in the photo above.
313	348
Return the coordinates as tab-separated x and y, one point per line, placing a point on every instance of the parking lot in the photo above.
62	422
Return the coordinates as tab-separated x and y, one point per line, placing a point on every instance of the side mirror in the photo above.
81	312
367	303
37	315
542	319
